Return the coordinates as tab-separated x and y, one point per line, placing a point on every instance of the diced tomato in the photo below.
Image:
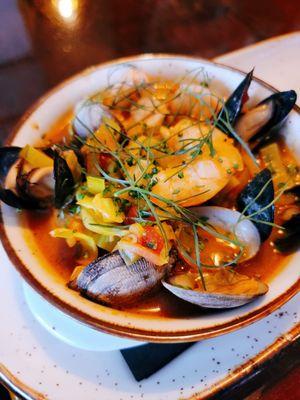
152	239
131	214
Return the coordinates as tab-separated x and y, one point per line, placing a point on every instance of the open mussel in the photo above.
256	202
24	187
224	288
36	184
260	124
110	281
233	106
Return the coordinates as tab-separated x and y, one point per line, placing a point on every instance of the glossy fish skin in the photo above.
247	198
282	104
290	240
110	281
233	106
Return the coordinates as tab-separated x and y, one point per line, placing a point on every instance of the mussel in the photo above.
233	106
8	157
289	240
36	186
256	202
21	186
224	288
64	182
110	281
26	187
260	124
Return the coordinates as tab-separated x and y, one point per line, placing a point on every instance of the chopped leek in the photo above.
90	221
105	208
95	185
36	157
108	209
72	237
106	242
273	160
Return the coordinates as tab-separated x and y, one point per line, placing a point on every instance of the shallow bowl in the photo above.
32	265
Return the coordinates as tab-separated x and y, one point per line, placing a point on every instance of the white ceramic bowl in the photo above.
41	117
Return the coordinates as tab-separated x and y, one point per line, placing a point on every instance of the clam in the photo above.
223	288
110	281
258	125
233	105
88	118
256	202
89	115
231	222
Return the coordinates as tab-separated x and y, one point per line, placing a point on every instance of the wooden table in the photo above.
43	42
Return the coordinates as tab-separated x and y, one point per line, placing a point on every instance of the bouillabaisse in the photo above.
153	181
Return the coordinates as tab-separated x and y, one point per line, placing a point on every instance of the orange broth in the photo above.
61	259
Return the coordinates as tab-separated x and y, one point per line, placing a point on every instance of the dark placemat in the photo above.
145	360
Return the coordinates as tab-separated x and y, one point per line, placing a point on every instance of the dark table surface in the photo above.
44	41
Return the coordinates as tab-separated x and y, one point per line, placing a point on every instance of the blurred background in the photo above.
44	41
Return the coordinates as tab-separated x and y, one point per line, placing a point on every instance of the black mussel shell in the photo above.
8	156
233	106
256	196
290	240
64	182
282	103
295	190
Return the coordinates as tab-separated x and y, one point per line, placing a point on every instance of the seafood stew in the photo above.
158	185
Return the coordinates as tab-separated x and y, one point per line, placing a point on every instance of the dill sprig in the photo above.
144	154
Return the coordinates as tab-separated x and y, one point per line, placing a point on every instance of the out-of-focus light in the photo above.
67	8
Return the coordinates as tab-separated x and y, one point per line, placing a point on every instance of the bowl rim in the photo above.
190	335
